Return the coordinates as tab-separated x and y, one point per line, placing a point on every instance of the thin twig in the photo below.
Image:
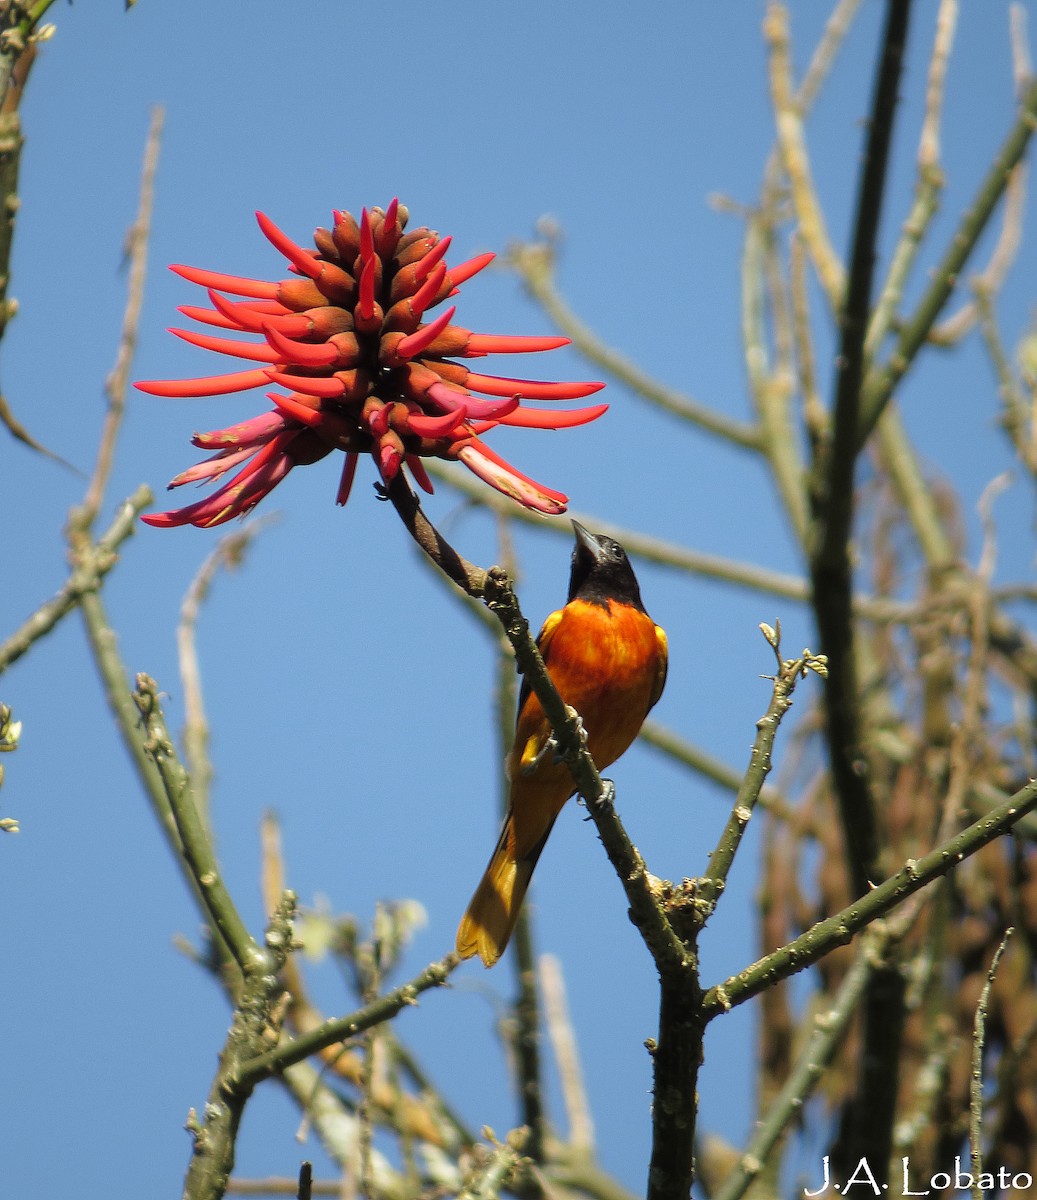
1015	417
795	159
1002	257
829	1030
490	1179
1009	239
790	671
339	1029
567	1056
927	188
929	142
882	380
835	31
221	912
86	576
118	379
771	387
967	733
533	263
468	577
840	928
18	46
815	416
215	1133
228	553
337	1130
976	1080
526	1005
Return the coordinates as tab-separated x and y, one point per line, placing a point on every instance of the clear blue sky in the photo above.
346	690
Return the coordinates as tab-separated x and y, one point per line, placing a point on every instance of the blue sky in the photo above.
346	689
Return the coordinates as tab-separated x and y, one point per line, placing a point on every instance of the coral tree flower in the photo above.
361	368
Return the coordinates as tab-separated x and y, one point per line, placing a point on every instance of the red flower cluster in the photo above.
363	373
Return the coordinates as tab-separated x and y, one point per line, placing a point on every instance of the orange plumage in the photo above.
607	658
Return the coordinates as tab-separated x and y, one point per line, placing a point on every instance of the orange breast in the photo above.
607	663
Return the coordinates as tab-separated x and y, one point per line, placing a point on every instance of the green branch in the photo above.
339	1029
839	929
825	1038
215	1135
533	263
790	671
86	576
196	845
881	381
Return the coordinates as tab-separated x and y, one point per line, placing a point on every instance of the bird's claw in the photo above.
551	746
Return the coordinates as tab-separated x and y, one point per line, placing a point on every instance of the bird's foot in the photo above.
581	733
551	746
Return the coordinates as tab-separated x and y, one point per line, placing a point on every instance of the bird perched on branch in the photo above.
607	658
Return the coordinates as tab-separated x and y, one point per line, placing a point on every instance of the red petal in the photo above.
252	432
466	270
325	387
453	399
302	259
301	354
488	343
235	284
542	418
345	485
208	316
214	385
431	259
434	427
296	410
253	320
492	469
256	480
251	350
365	304
426	294
417	469
212	467
366	236
549	418
530	389
414	343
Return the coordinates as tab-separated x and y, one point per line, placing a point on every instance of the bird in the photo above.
608	660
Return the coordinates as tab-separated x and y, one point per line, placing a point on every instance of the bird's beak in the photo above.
587	543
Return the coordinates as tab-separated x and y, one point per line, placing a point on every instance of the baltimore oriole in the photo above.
607	658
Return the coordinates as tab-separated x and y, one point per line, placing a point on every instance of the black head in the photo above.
601	571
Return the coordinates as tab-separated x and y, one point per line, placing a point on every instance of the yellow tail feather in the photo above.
487	925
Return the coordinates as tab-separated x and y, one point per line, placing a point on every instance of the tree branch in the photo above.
881	381
262	1066
534	263
86	576
790	671
839	929
196	847
833	485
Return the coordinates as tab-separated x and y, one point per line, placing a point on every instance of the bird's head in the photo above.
601	570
